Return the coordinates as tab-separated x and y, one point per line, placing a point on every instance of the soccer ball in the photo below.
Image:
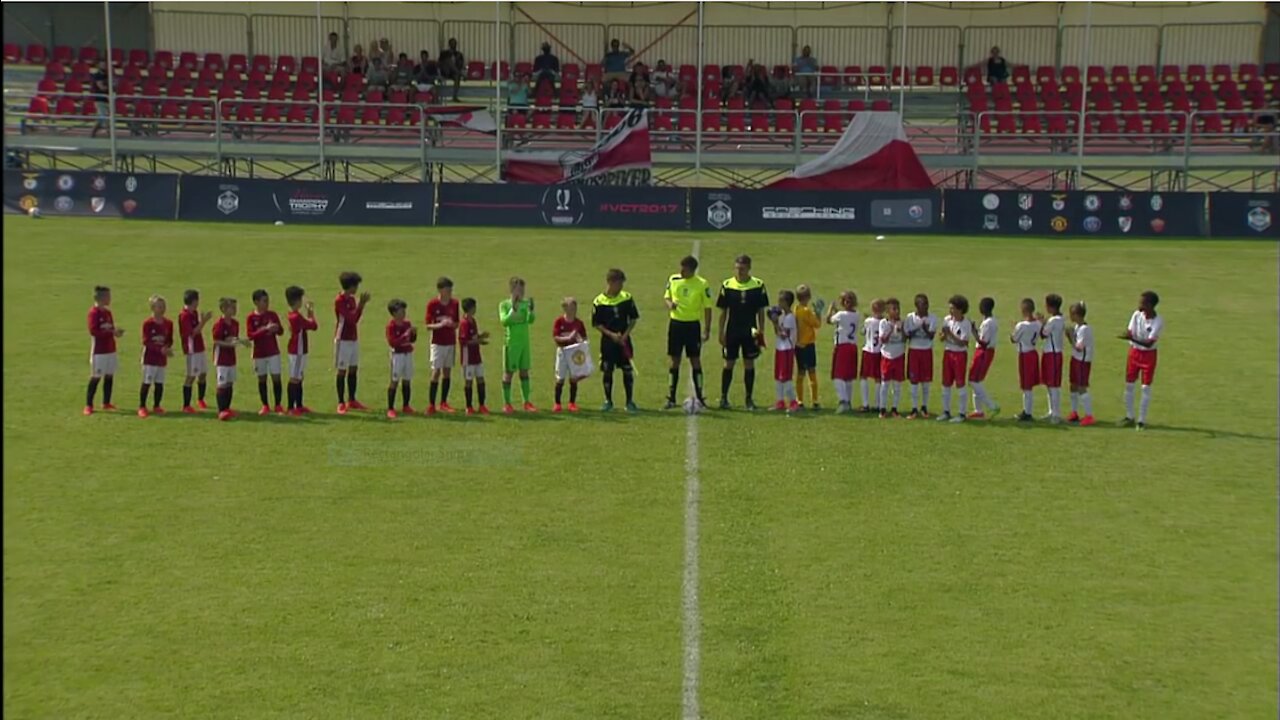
34	212
692	406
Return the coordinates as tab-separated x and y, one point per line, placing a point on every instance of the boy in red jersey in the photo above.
191	324
401	335
470	338
157	348
298	344
226	336
567	330
263	325
346	347
102	349
442	321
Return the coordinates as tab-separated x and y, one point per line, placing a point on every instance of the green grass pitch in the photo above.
531	567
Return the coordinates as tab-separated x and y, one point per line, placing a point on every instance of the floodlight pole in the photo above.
1084	101
497	91
320	97
902	63
111	89
697	121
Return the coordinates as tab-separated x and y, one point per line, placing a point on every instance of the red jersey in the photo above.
398	336
265	344
468	333
437	309
102	326
298	327
192	341
348	312
564	327
225	329
157	335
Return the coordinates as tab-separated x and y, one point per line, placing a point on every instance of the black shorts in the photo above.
807	357
613	355
744	345
684	336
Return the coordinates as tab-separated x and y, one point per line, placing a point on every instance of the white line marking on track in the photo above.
692	616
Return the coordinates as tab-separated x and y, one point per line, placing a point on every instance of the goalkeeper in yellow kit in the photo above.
807	324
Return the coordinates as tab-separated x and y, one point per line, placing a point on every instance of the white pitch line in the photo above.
692	616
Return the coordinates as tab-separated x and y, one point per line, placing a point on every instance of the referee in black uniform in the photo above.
742	302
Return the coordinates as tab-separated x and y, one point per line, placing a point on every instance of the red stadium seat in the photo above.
65	106
1145	73
188	60
39	105
710	120
197	111
47	86
346	115
213	61
1170	74
12	53
829	75
1120	74
948	76
897	75
88	54
63	54
1046	74
542	121
570	73
175	89
1196	73
1134	125
164	58
853	76
517	120
301	114
89	107
688	74
1270	71
972	76
144	109
202	90
784	123
208	76
475	70
74	86
1070	75
881	106
281	78
500	70
1021	75
117	57
260	63
139	58
152	88
288	64
686	121
833	120
1095	74
234	78
1031	124
924	76
272	113
1247	72
569	121
809	122
310	66
55	71
876	76
237	62
171	110
1220	73
307	80
275	94
595	71
37	54
182	74
710	72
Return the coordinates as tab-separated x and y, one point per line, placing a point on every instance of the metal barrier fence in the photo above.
842	46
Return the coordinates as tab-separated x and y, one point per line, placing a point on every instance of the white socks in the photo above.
980	399
781	389
964	401
1028	401
1075	403
1146	403
882	392
895	389
865	387
925	386
786	390
1055	401
946	400
915	396
844	391
1128	400
1086	402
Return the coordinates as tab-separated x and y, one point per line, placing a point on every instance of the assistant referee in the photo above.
688	298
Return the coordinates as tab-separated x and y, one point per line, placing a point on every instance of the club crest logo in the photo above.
1092	224
98	183
66	182
63	204
1157	225
990	221
1059	202
1092	203
228	202
719	215
1058	223
129	206
1024	223
131	183
991	201
26	202
1025	201
1125	222
30	182
1259	219
1126	202
97	204
1157	203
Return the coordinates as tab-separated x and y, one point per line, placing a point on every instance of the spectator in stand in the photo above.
382	49
452	65
334	60
426	73
546	67
616	97
805	68
359	62
402	73
730	86
518	91
758	85
997	68
639	71
664	83
615	60
377	76
590	99
641	94
101	100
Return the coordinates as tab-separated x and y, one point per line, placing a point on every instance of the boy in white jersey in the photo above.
956	331
1025	334
1081	364
921	326
784	355
1145	328
844	360
1052	333
871	356
893	349
983	355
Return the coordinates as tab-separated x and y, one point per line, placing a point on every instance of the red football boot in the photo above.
266	410
483	409
1087	420
529	408
471	411
279	409
391	415
187	409
780	405
1073	417
356	405
202	405
431	410
573	407
225	415
88	409
157	411
108	406
142	412
446	409
556	408
296	412
507	409
407	410
342	408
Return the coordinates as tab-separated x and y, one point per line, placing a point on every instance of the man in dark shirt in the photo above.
546	67
101	100
426	73
997	68
452	65
614	314
742	301
615	61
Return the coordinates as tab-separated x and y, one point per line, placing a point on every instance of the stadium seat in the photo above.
47	86
63	54
1095	74
948	76
310	65
710	72
275	94
853	76
197	111
301	114
55	71
857	106
170	110
570	73
1031	124
234	78
213	61
829	76
39	105
475	70
287	64
710	121
202	90
37	54
1120	74
897	74
1271	71
163	58
188	60
568	121
686	121
924	76
88	54
876	76
1046	74
281	78
1145	73
260	63
89	107
516	120
1247	72
781	72
1170	74
595	71
74	86
784	123
208	76
1070	75
182	74
237	62
12	53
542	121
809	122
972	76
758	122
1196	73
175	89
144	109
833	120
1021	75
881	106
500	70
1220	73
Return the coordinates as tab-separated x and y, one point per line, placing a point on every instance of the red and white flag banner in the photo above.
873	154
475	117
622	157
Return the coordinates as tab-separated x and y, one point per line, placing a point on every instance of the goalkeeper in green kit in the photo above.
516	315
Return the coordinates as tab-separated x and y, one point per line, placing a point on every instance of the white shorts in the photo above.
346	354
267	365
473	372
442	356
562	367
102	364
153	374
226	375
197	364
297	366
401	367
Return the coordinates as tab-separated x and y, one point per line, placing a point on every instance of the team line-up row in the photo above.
893	349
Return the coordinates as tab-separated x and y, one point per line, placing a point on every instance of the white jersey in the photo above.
893	339
987	333
962	329
1026	334
918	329
786	332
1144	328
871	333
1053	331
847	323
1082	348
